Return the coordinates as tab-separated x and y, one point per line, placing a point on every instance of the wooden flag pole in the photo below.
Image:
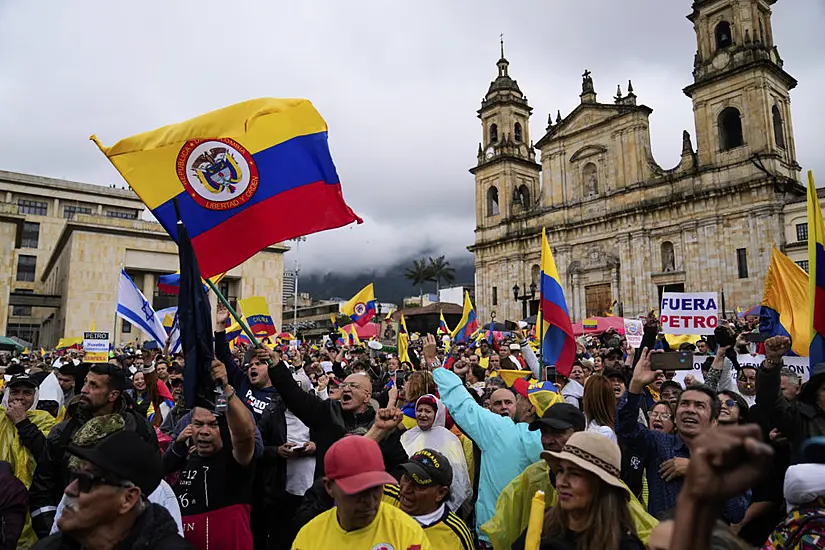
233	313
540	319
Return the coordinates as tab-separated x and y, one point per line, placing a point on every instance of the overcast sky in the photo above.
399	84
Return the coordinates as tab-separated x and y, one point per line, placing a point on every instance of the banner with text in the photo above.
689	312
797	364
96	346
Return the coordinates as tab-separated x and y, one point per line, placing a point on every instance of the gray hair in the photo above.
791	375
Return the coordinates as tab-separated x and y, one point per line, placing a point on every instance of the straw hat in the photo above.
593	452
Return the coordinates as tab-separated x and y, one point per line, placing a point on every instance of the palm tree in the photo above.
418	274
440	270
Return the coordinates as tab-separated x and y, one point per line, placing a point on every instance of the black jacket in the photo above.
14	506
270	469
52	472
154	530
32	438
329	421
796	420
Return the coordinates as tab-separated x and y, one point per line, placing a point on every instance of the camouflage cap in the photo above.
94	431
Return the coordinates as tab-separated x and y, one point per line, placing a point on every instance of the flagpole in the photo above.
540	319
233	313
114	329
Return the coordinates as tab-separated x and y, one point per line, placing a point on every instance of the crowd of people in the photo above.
321	447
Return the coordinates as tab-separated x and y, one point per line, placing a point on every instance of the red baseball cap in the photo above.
355	464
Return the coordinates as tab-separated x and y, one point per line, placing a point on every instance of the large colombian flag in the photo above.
170	282
468	324
558	343
245	177
816	274
785	305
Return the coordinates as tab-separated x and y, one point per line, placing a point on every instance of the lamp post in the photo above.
524	298
296	272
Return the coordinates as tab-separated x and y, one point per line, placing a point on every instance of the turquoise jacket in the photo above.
507	448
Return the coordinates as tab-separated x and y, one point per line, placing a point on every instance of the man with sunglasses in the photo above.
101	395
106	503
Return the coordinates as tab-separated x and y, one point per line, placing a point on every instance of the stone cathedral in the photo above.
622	228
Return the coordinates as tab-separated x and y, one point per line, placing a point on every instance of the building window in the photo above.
30	236
802	232
493	133
492	201
724	38
127	327
130	215
730	129
37	208
22	311
495	296
70	210
517	132
742	262
778	128
25	267
803	264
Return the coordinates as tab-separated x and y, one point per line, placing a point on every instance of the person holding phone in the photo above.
666	456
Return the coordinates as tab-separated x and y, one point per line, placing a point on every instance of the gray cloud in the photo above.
398	83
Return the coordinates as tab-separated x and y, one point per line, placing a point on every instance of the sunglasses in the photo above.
87	481
729	403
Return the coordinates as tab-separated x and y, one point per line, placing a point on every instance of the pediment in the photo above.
582	118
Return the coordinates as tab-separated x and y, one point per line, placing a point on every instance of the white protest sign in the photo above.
633	332
797	364
96	346
689	312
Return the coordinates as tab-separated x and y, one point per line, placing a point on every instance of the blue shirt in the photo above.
507	448
654	448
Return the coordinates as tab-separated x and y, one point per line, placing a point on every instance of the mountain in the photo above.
390	283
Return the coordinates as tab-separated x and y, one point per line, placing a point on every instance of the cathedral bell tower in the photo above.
507	175
740	92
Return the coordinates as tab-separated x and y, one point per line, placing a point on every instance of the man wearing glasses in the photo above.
106	499
101	395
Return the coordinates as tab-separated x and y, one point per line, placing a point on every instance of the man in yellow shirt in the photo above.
355	477
423	493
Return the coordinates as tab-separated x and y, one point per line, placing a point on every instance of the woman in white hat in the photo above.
592	506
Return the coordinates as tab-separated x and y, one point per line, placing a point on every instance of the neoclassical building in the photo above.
622	228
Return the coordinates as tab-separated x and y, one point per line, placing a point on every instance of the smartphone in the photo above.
672	360
510	326
755	336
399	379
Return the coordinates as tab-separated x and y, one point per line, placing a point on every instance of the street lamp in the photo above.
378	320
524	298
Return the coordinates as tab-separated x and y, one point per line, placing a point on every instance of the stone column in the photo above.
576	298
148	286
614	285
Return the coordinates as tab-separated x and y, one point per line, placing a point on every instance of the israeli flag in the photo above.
132	306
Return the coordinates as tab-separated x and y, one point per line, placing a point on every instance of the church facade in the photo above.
622	228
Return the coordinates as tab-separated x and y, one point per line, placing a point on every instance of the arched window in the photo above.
493	134
492	201
590	179
535	274
724	38
730	129
778	127
668	257
523	194
517	132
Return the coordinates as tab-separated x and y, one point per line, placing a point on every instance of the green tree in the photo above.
418	274
440	270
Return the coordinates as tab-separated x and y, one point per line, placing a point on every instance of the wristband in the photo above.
434	364
229	396
773	364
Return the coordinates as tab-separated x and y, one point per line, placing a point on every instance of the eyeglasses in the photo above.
86	481
350	385
729	403
660	416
